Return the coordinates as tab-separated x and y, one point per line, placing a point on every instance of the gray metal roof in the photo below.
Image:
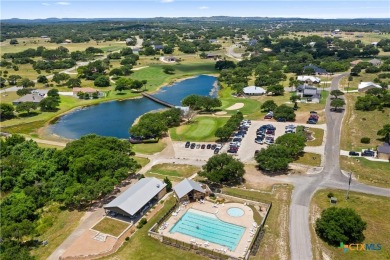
36	98
385	148
186	186
137	196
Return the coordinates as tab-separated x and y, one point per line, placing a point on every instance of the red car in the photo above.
267	117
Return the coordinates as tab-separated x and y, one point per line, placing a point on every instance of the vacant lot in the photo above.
318	135
149	148
369	172
178	171
110	226
358	124
372	209
141	160
310	159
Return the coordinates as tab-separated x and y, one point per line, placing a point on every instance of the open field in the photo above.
110	226
141	160
371	208
202	128
149	148
358	124
141	246
366	171
172	170
353	85
311	159
56	226
275	243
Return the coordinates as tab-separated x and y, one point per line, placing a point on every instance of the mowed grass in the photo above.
369	172
60	224
172	170
372	209
358	124
141	160
149	148
353	85
311	159
141	246
202	128
318	135
110	226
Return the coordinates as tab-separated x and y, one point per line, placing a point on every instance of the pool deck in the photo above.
245	221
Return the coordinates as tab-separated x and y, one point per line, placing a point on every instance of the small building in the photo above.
33	97
309	79
254	91
355	62
45	37
383	151
158	47
67	41
364	86
252	42
213	40
87	90
138	197
136	49
189	190
374	43
212	56
169	59
316	69
375	62
311	44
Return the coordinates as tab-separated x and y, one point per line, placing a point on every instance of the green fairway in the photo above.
201	129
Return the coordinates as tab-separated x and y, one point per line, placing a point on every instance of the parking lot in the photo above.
196	154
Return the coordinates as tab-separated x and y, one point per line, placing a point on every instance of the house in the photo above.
189	190
89	91
374	43
254	91
383	151
213	40
375	62
311	93
355	62
136	49
138	197
169	59
252	42
33	97
311	44
158	47
309	79
316	69
364	86
212	56
67	41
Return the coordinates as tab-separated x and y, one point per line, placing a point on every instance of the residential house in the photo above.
212	56
375	62
309	79
317	70
158	47
213	40
36	96
364	86
189	190
312	94
254	91
383	151
252	42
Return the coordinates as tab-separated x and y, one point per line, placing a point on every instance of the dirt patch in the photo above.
282	249
255	179
221	113
236	106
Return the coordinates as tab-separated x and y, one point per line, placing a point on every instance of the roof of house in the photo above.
158	46
36	98
138	195
85	90
252	42
385	148
375	61
185	186
254	90
364	85
306	78
311	91
315	68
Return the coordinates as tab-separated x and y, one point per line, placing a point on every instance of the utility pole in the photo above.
349	185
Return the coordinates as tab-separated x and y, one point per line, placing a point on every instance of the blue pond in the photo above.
114	118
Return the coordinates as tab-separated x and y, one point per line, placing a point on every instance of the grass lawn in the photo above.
202	128
358	124
172	170
369	172
56	226
141	160
141	246
311	159
371	208
318	134
275	243
353	85
250	107
110	226
149	148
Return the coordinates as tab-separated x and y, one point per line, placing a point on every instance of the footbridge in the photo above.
157	100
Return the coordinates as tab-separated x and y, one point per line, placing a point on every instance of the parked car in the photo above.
197	146
219	146
233	149
216	150
237	139
209	146
290	127
187	144
281	119
203	146
269	141
368	153
313	112
259	140
213	146
270	127
193	145
238	136
270	132
235	144
289	131
268	117
352	153
310	121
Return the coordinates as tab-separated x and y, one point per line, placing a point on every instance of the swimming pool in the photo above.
235	212
208	227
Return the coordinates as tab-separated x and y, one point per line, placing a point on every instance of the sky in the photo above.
192	8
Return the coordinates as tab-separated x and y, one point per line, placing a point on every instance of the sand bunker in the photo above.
235	106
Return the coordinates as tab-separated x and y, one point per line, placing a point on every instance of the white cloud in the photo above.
167	1
45	4
63	3
203	7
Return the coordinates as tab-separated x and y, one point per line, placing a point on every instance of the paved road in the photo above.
330	177
230	52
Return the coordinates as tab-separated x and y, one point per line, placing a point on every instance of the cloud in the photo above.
63	3
203	7
167	1
45	4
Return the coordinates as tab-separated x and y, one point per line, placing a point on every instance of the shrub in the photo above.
142	222
365	140
127	238
330	195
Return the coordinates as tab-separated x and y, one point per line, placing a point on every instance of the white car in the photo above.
219	146
235	144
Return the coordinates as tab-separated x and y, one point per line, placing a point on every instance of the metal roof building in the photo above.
188	187
137	196
253	90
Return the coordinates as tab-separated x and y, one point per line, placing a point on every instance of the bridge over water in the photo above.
157	100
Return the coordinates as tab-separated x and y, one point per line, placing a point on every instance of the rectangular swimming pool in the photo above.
208	227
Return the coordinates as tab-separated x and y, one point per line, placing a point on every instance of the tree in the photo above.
23	91
284	111
59	77
337	103
102	81
136	84
223	133
126	51
191	101
6	111
224	64
169	184
27	83
294	98
122	84
73	83
275	158
295	143
203	55
13	42
42	79
209	103
168	49
49	104
336	93
269	105
54	94
168	69
26	106
276	90
116	72
223	168
340	225
385	132
12	79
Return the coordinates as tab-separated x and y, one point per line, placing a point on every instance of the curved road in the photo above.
329	177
